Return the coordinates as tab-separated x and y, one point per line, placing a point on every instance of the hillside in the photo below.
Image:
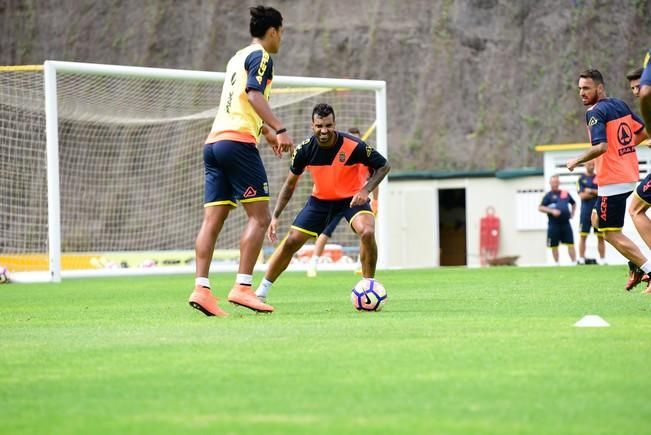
472	84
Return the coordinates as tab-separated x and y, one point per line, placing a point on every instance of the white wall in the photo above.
413	214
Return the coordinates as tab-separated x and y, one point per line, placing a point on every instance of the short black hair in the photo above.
323	110
636	74
593	74
263	18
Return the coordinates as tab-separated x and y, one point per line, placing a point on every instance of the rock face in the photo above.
472	84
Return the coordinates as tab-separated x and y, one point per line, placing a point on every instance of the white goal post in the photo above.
111	157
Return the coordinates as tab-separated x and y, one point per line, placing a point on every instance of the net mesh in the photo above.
131	168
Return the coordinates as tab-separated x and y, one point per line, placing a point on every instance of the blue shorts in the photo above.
234	172
611	211
585	219
559	233
332	226
643	190
646	74
317	214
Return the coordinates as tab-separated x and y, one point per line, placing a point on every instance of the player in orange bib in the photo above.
340	165
614	132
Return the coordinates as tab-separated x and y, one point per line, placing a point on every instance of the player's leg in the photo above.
601	247
362	221
611	212
319	247
640	203
252	237
248	177
553	238
584	230
218	202
582	239
213	222
283	255
567	237
309	222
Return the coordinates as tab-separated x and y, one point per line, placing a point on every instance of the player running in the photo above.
614	132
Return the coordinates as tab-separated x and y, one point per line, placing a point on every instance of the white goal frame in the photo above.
52	68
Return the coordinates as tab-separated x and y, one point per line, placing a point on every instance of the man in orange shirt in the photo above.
340	165
614	132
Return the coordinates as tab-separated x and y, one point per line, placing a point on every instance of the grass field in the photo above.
456	351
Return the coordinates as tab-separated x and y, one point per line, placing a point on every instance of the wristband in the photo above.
282	130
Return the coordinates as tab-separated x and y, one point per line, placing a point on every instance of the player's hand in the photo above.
556	212
571	164
271	231
360	198
270	137
285	142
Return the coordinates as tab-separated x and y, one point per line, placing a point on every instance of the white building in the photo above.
435	217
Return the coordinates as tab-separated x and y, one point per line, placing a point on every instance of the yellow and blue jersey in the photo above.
249	69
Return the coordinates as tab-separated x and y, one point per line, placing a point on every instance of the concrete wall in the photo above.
413	213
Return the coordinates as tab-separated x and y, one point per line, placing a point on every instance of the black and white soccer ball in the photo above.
368	295
4	275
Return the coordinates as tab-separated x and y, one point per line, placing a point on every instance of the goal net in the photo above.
102	168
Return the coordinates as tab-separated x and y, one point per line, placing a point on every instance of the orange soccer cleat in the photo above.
203	300
635	276
243	295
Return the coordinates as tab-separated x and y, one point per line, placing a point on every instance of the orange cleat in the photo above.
203	300
635	276
243	295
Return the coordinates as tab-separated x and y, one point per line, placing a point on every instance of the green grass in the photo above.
456	351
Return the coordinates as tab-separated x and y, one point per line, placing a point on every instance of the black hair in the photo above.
323	110
263	18
593	74
635	74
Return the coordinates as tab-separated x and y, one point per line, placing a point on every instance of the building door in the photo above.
452	227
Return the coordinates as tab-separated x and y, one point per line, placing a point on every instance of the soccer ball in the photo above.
4	275
368	295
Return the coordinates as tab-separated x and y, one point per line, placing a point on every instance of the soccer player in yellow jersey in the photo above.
233	167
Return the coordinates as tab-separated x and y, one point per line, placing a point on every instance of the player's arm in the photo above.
261	106
594	152
573	206
259	67
547	210
371	184
286	193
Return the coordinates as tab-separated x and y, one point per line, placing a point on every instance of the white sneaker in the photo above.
311	271
580	261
